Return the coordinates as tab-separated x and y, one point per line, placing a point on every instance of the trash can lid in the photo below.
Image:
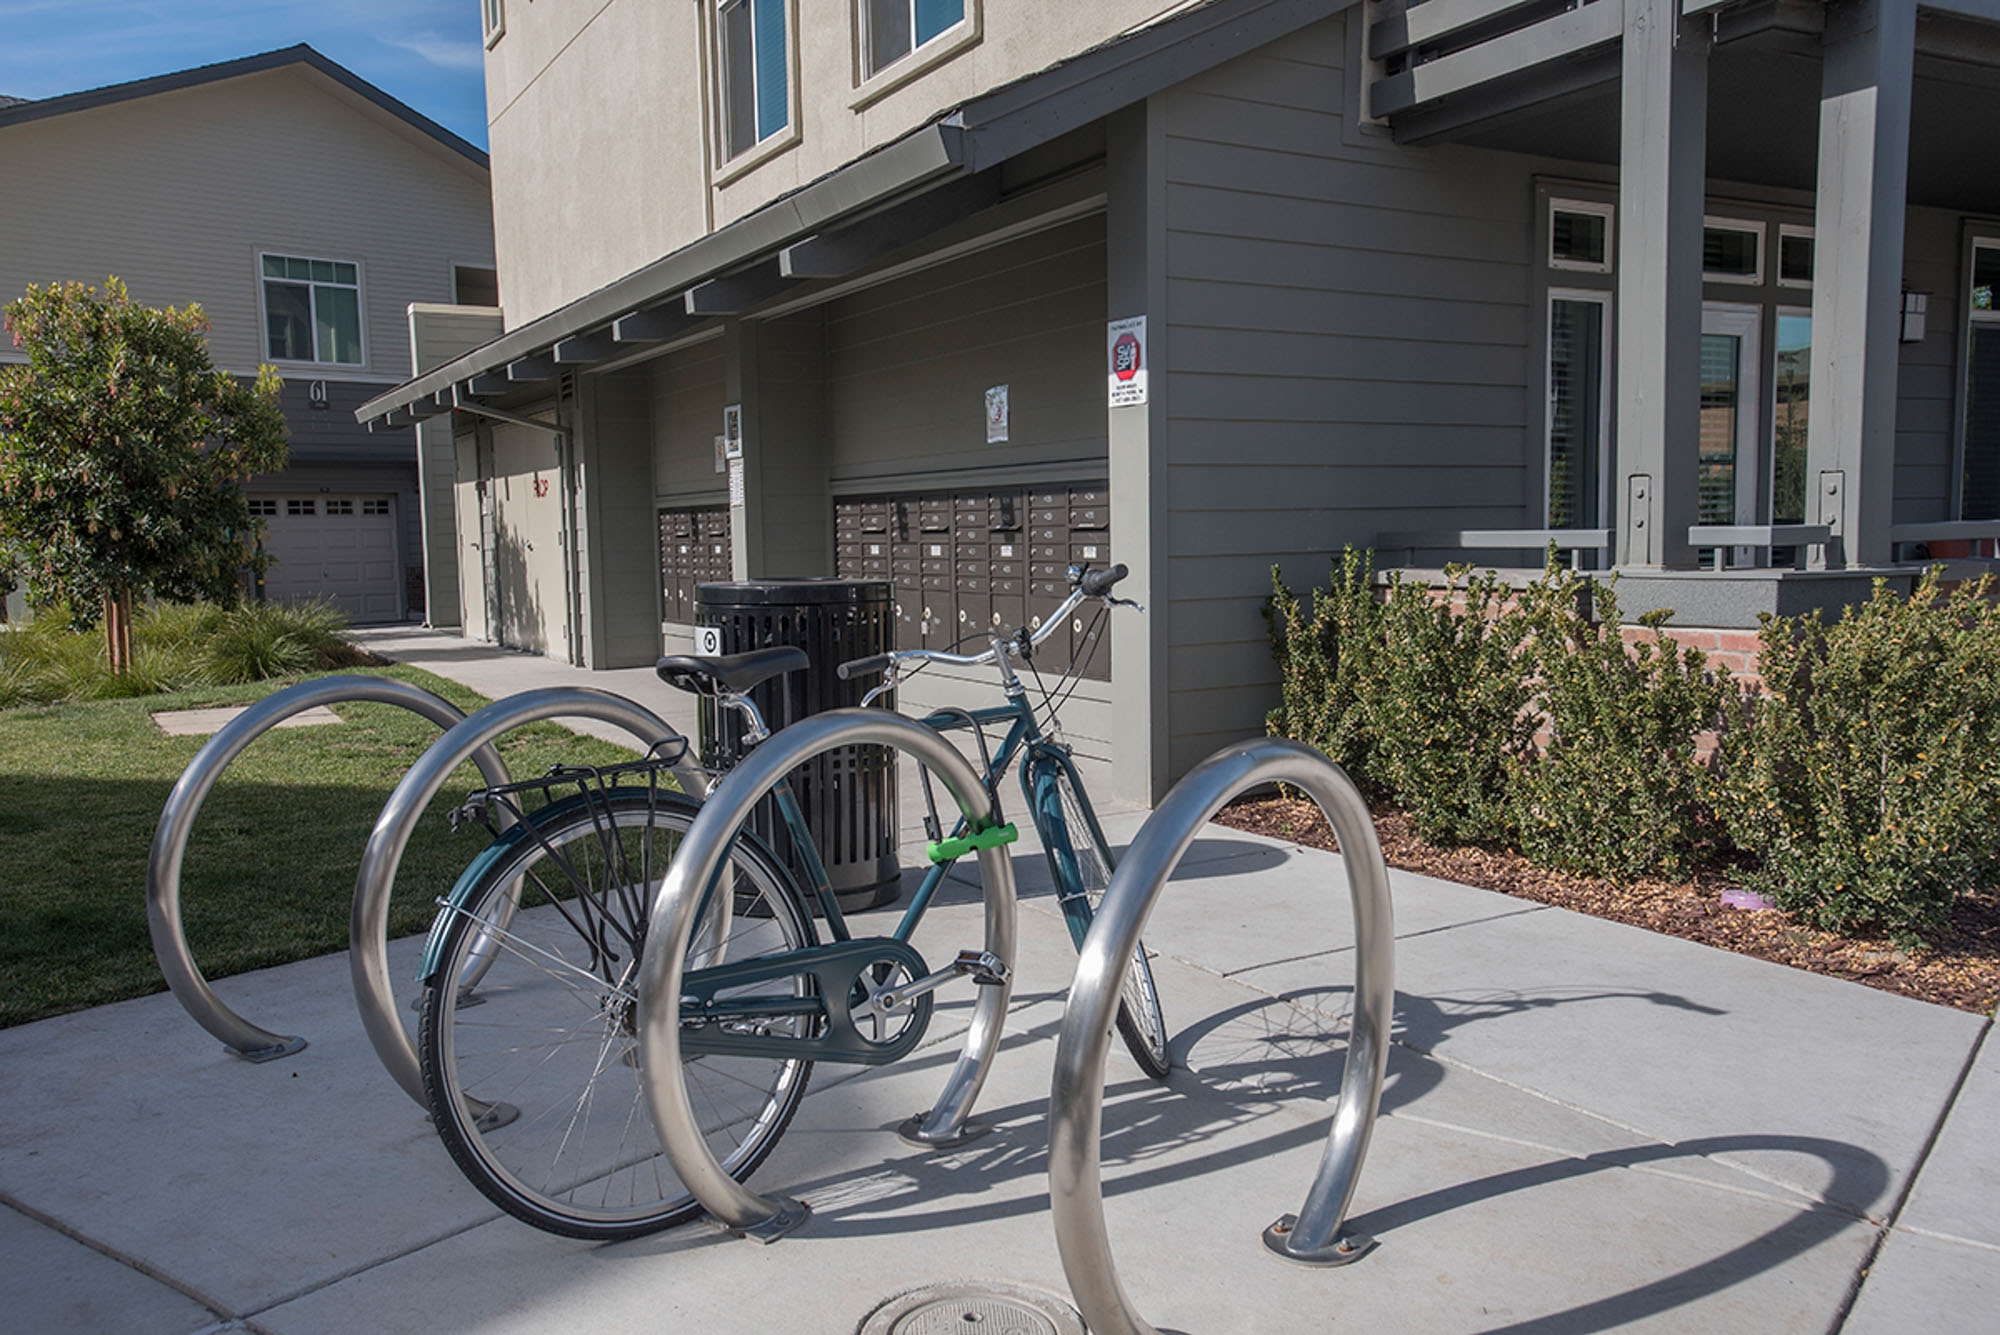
810	589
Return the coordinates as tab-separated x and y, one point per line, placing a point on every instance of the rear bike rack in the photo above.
163	871
698	861
373	992
1076	1094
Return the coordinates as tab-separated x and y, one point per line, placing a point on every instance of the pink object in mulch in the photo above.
1746	899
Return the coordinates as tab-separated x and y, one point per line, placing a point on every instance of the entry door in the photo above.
1726	487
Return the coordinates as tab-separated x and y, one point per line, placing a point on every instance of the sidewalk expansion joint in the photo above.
1910	1183
1332	951
222	1311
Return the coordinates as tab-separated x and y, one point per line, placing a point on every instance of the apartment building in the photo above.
954	292
305	209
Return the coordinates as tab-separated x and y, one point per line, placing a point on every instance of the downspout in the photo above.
565	449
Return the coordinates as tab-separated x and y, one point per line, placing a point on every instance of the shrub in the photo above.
1327	658
1445	712
1617	787
1868	778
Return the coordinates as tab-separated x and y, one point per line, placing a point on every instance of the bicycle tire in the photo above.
1060	815
548	1028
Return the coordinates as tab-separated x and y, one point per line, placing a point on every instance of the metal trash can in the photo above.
848	795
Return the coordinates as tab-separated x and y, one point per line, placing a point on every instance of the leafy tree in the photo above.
122	456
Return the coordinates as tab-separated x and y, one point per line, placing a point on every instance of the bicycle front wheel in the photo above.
1080	861
528	1039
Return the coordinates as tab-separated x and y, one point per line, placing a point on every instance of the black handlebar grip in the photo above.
864	667
1097	583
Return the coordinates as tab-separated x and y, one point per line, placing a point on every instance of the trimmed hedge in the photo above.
1862	781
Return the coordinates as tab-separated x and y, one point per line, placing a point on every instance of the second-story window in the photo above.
892	29
756	102
312	310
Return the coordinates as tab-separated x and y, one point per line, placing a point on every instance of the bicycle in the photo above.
527	1040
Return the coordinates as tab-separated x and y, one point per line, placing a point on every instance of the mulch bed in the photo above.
1961	969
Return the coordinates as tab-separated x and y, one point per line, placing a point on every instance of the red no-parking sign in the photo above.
1126	341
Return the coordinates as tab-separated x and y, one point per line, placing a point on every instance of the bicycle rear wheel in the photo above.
1080	861
527	1039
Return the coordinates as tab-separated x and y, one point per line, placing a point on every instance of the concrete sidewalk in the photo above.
1586	1127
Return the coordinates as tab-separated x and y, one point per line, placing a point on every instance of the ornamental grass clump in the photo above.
1867	781
1617	787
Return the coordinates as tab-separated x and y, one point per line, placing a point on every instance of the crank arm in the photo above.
984	969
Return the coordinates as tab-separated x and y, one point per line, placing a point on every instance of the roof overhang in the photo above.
849	218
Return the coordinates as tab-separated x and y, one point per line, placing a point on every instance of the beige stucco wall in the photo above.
178	192
597	125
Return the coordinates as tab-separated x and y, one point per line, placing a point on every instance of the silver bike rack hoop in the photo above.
369	958
163	871
670	928
1076	1096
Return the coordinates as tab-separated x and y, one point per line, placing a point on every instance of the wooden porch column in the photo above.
1864	161
1662	171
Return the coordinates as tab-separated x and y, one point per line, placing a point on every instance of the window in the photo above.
1980	494
1576	407
1791	379
263	507
755	72
1795	256
340	507
492	20
475	285
312	310
297	507
892	29
1580	236
1732	252
379	507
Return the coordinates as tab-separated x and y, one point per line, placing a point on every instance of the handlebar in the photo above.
1083	584
1097	583
864	667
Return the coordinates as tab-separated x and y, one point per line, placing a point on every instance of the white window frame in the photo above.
1608	212
1753	279
1602	298
1785	231
918	60
728	167
264	310
493	20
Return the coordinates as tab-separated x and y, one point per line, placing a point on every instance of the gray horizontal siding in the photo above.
1348	340
688	396
908	364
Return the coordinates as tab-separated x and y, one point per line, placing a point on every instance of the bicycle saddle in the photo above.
732	674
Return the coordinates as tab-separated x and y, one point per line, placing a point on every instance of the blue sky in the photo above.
425	52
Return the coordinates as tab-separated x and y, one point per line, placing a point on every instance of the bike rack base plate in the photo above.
909	1133
1343	1250
791	1213
285	1048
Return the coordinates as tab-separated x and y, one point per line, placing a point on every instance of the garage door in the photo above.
340	548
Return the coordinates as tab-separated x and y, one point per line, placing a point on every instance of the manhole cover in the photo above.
973	1309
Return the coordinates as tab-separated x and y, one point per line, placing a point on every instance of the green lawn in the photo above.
269	872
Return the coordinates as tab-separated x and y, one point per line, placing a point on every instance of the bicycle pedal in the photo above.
984	967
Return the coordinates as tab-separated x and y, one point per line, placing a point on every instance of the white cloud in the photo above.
444	51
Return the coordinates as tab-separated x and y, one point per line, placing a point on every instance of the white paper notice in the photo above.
1125	341
736	482
996	414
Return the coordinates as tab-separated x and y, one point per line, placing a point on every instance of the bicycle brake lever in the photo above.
1132	603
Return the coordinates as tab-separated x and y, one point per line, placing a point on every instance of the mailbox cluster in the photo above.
694	549
965	563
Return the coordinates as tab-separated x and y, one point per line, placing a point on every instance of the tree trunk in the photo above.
118	631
